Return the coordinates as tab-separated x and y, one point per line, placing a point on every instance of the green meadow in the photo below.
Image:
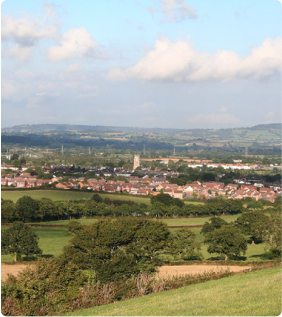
59	195
53	240
196	221
253	294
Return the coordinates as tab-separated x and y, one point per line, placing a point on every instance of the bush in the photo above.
47	288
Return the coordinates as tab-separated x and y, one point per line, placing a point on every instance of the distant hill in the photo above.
262	136
43	128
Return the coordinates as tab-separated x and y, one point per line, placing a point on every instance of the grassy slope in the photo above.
57	195
253	294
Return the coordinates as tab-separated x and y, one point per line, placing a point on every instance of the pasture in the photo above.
60	195
175	222
53	240
253	294
65	195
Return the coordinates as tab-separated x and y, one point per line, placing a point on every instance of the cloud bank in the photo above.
180	61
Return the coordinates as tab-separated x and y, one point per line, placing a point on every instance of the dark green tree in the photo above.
273	233
227	240
28	209
253	224
215	223
74	226
118	249
97	198
185	244
167	200
19	239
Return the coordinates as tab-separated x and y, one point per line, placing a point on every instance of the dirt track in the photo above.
165	271
11	269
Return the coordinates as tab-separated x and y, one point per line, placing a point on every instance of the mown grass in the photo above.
197	221
53	240
253	294
255	252
59	195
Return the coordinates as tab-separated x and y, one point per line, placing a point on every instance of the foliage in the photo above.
215	223
255	205
227	241
27	209
253	224
273	233
167	200
119	249
19	239
45	289
73	226
185	244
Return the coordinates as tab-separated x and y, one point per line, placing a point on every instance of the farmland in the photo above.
53	240
60	195
253	294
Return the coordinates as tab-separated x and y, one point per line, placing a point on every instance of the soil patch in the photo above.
13	269
166	271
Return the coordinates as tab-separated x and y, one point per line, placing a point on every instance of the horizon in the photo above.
163	63
134	127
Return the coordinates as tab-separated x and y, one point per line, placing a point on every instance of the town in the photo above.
144	181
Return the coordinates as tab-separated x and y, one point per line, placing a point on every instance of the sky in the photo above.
141	63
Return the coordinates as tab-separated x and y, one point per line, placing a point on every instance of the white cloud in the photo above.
27	30
77	43
177	10
180	61
20	36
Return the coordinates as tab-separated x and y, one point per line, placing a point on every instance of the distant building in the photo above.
136	161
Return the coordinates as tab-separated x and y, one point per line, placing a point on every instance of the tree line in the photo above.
28	209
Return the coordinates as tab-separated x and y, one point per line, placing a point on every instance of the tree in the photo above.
19	239
47	288
118	249
167	200
255	205
28	209
215	223
185	244
253	224
227	240
73	226
97	198
273	233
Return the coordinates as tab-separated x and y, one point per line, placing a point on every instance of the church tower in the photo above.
136	161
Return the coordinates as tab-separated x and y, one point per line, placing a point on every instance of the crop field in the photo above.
253	294
59	195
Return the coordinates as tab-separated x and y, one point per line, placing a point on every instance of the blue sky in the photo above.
150	63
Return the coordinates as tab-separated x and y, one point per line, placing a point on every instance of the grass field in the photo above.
253	294
53	240
170	222
255	252
58	195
